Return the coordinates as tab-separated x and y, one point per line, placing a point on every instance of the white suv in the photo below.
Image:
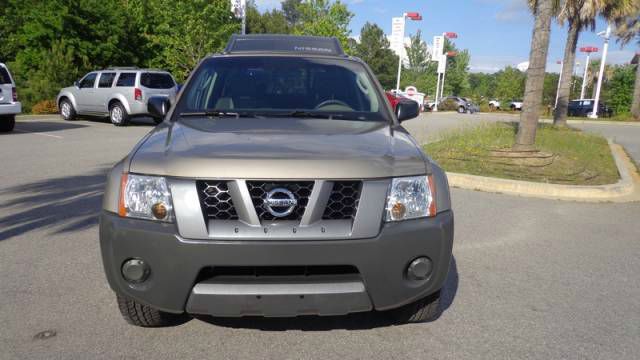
9	104
120	93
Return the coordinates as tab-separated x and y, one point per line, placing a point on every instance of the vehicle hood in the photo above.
274	148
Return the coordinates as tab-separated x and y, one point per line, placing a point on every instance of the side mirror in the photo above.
76	84
407	109
158	106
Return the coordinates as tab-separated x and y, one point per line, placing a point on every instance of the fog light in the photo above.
159	210
398	210
420	268
135	270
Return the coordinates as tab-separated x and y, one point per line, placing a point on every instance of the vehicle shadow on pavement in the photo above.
43	126
137	121
65	204
359	321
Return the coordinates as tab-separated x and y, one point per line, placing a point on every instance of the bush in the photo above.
45	107
448	105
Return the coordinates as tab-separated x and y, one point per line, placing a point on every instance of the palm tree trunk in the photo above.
560	113
526	136
635	105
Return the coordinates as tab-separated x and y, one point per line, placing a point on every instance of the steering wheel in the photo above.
332	102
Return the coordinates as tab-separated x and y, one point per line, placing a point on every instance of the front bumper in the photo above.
11	108
174	286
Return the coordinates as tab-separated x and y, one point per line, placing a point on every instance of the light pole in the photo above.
397	33
588	50
444	73
606	34
561	63
239	9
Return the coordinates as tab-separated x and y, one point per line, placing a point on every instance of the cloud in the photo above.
507	10
491	64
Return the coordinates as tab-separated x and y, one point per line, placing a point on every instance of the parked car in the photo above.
279	184
120	93
584	107
515	105
9	104
463	105
494	105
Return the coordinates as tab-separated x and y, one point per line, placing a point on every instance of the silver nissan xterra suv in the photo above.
279	184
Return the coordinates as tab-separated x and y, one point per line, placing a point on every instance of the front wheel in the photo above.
66	110
7	123
118	115
423	310
145	316
461	110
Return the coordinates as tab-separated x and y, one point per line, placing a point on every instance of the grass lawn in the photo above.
570	156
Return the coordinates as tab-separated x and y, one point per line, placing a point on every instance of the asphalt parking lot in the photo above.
531	278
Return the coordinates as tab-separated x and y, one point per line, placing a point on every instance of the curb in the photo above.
625	190
595	122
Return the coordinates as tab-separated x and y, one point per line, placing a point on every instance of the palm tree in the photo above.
543	11
581	14
629	29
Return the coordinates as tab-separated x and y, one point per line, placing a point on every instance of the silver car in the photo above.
281	183
120	93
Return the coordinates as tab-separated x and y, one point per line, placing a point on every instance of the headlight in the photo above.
145	197
411	197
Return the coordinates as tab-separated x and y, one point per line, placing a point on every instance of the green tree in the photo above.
417	52
324	18
509	84
543	11
581	14
373	49
291	10
189	30
629	29
619	91
269	22
86	34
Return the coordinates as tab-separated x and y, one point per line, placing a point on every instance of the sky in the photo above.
496	32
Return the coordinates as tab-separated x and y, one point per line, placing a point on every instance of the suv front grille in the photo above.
215	200
300	189
343	201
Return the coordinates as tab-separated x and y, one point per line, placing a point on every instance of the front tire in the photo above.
145	316
67	111
461	110
423	310
118	115
7	123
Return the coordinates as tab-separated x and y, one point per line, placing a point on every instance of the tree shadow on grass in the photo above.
359	321
65	204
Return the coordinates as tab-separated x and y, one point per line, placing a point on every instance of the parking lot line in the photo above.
38	133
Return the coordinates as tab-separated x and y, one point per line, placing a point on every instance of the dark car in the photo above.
584	107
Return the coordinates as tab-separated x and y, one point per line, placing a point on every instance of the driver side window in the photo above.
88	81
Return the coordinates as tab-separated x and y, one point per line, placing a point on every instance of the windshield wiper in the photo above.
306	114
216	113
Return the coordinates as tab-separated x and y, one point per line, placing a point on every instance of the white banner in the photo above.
238	7
438	47
397	35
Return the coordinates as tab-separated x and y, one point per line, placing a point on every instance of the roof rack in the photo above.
284	44
122	68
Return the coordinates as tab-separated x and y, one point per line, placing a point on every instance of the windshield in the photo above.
282	86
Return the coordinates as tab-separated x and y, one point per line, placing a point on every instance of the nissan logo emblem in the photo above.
280	202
